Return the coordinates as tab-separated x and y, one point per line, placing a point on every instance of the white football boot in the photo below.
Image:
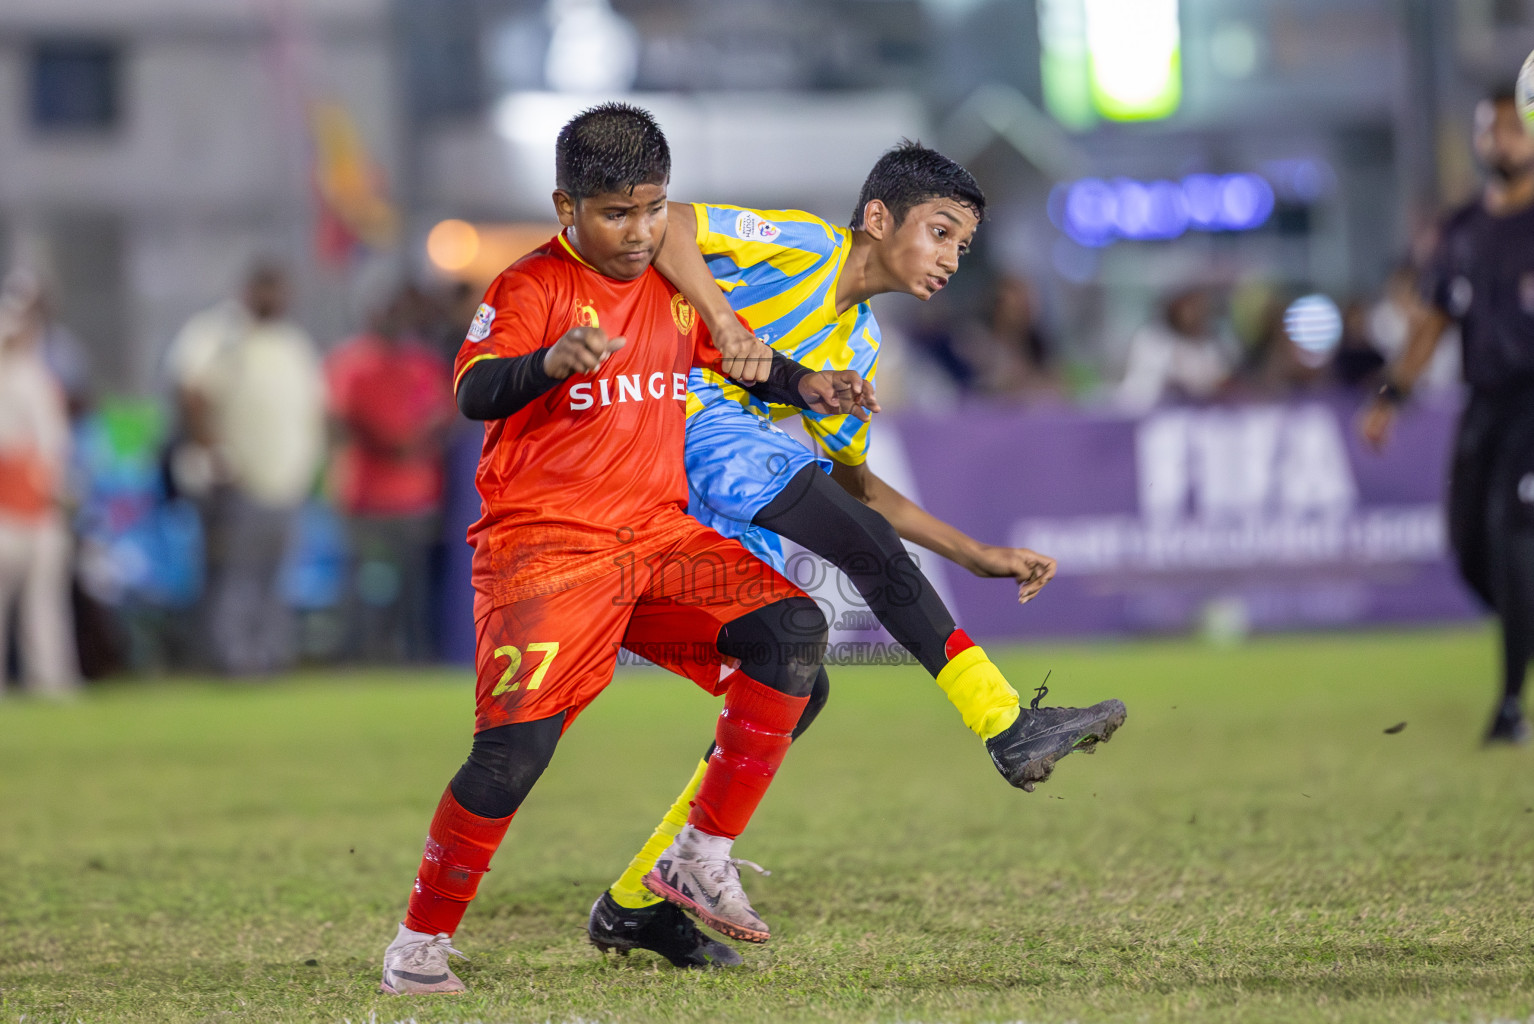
415	963
698	874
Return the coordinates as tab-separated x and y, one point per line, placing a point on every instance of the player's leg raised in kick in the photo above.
1023	743
746	478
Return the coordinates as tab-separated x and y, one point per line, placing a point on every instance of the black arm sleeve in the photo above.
782	384
493	389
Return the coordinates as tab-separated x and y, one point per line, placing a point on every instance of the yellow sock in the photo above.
985	699
629	891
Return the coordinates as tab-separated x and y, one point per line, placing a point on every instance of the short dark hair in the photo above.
266	270
610	148
1502	92
911	174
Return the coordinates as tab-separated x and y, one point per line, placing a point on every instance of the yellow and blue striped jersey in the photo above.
779	269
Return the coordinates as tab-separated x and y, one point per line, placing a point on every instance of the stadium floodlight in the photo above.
1134	50
1064	63
592	48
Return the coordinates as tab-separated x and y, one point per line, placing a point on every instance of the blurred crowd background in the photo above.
242	241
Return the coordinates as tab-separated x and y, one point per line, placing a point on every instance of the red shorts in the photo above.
556	652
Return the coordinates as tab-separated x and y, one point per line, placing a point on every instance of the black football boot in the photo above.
1026	751
662	928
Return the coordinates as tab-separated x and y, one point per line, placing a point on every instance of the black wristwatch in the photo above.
1392	393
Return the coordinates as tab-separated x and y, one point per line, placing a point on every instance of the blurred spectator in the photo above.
1390	324
139	557
392	404
1011	356
96	629
1358	364
1180	355
1279	367
919	363
1390	319
452	315
65	356
1307	344
34	536
933	343
251	398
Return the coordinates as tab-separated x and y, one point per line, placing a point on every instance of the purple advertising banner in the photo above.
1225	518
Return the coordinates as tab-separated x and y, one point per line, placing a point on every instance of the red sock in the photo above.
459	846
958	642
750	740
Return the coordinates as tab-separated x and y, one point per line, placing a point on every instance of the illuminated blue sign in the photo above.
1095	212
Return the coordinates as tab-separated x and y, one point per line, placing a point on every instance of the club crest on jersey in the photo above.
586	315
753	228
484	316
683	313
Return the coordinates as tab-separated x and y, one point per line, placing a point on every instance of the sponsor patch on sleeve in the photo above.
484	316
754	228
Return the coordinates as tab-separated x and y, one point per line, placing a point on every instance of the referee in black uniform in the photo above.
1482	278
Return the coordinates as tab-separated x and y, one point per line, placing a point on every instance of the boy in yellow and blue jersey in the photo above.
803	287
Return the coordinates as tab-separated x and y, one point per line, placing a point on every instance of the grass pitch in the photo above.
1253	846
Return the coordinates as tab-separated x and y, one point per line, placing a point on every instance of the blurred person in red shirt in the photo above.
34	536
391	402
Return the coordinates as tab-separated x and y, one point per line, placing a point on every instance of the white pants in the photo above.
34	586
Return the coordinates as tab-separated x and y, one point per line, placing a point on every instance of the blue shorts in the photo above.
737	462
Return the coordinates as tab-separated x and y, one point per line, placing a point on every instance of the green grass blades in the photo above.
1252	846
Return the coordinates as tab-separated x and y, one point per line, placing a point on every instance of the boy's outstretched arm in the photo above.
1030	569
681	262
828	392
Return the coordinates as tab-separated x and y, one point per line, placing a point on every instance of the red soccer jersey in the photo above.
393	400
592	469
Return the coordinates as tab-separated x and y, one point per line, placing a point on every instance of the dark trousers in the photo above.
389	599
1491	517
250	626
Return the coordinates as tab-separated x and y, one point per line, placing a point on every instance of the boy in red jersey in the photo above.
584	544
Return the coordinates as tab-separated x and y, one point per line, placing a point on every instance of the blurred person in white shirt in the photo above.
1390	321
251	397
1179	355
34	535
